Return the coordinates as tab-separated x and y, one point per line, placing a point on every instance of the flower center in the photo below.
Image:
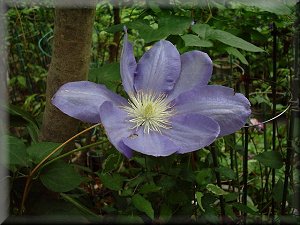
150	110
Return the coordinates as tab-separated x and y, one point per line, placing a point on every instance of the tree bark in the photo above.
70	62
114	47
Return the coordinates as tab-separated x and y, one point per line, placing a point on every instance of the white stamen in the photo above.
150	110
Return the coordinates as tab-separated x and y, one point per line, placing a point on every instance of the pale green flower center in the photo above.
149	110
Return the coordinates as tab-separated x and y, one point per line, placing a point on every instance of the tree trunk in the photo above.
70	62
114	47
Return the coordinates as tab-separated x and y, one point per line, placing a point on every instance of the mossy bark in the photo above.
70	62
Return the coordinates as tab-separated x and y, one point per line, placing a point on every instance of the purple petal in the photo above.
192	131
196	69
188	133
82	100
127	65
159	68
230	110
154	143
116	126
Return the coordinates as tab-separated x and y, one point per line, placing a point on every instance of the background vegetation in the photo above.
249	176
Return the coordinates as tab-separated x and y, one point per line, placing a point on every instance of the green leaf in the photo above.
113	182
126	192
199	196
108	74
216	189
143	205
232	40
167	25
16	110
278	191
139	179
33	132
19	79
17	151
140	161
193	40
140	25
270	159
229	212
204	176
147	188
206	32
202	29
275	6
115	28
38	151
111	162
236	53
60	177
232	196
154	6
18	114
243	208
155	35
226	172
165	213
145	30
259	99
171	24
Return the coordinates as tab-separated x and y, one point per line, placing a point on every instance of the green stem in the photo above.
72	151
78	205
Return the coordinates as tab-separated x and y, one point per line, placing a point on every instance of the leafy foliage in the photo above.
17	152
60	177
38	151
238	37
143	205
270	159
206	32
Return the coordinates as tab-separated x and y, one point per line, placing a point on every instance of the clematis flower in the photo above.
170	108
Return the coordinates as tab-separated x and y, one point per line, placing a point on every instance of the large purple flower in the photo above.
171	109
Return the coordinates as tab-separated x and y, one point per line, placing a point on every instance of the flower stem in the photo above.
78	205
38	166
73	151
